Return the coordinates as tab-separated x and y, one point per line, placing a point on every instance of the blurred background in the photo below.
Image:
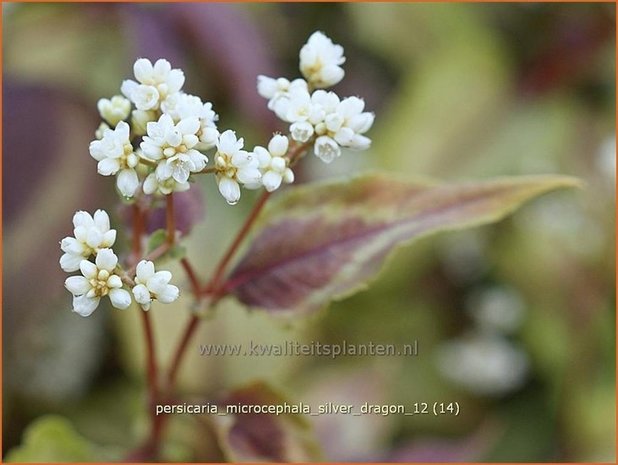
515	321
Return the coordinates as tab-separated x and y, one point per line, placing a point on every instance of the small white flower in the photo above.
233	166
277	91
91	235
152	185
115	155
115	109
98	280
320	61
155	83
151	285
301	131
484	364
344	124
182	106
272	164
173	146
326	149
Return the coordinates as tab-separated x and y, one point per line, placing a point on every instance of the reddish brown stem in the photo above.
172	375
170	219
214	284
192	275
151	359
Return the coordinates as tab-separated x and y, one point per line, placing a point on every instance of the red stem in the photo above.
170	219
195	282
151	446
180	351
215	282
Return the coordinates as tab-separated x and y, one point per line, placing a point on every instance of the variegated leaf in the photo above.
323	242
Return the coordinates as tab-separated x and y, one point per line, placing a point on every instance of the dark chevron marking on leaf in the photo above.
324	242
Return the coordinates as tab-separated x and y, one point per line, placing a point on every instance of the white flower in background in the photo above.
496	309
154	83
173	146
115	155
115	109
483	364
98	280
151	285
320	61
181	106
272	164
91	235
233	166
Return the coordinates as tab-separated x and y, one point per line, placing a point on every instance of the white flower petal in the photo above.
262	155
106	260
109	238
120	298
271	180
158	282
128	87
70	262
248	175
108	166
77	285
169	294
144	270
278	145
72	245
101	220
229	189
127	182
326	149
228	143
151	184
84	306
175	80
94	238
82	218
143	70
141	294
88	269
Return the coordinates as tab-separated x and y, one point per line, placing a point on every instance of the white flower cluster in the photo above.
485	361
154	136
176	129
94	238
317	115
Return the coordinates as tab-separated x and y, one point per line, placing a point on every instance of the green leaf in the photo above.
52	438
326	241
157	239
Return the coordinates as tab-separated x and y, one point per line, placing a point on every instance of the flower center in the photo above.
99	283
224	166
